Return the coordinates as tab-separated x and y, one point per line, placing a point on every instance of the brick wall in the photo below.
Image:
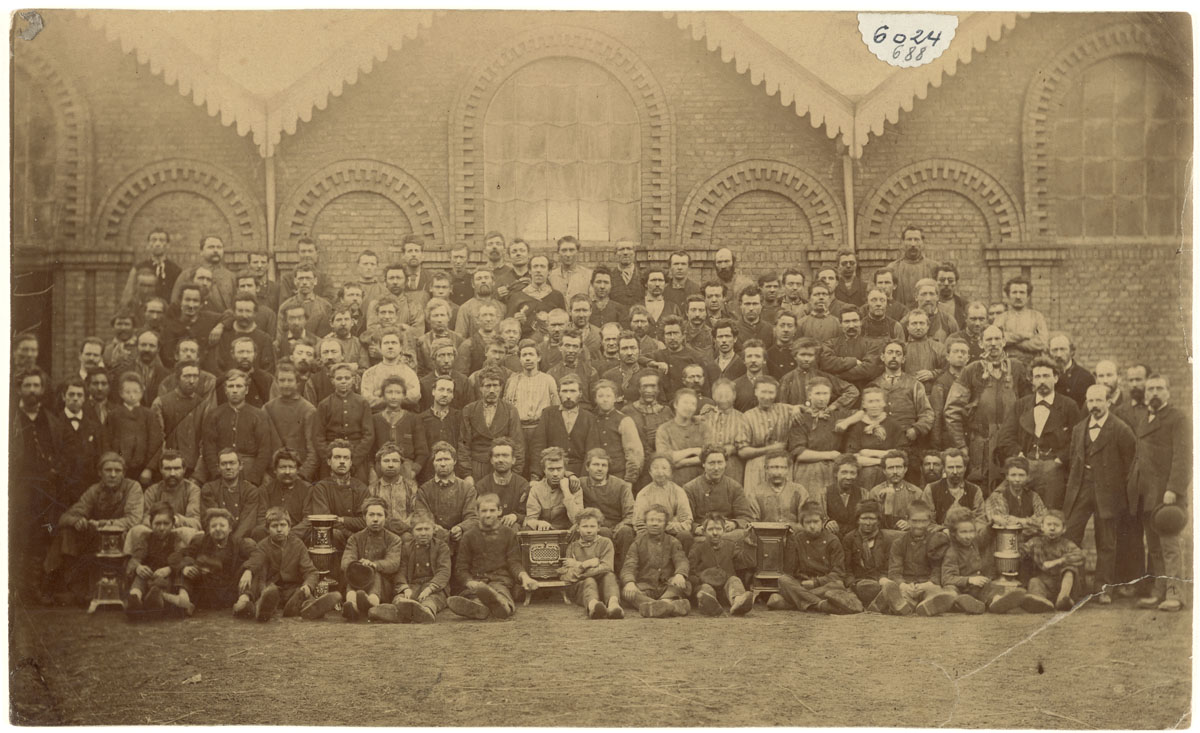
355	222
761	226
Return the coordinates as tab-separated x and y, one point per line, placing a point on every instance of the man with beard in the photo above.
1025	329
180	411
438	315
447	498
442	422
340	493
1039	429
77	438
166	272
629	363
829	276
570	363
907	402
444	353
608	354
972	332
604	308
795	294
754	355
316	308
875	320
772	292
466	324
472	351
1106	375
115	351
713	491
396	484
286	488
515	276
940	325
778	499
924	356
911	266
556	500
1161	474
373	379
1133	408
850	288
569	278
24	352
884	281
511	488
181	494
781	357
851	355
493	252
413	257
953	490
295	329
676	354
266	315
628	282
211	563
346	416
440	289
950	303
1073	380
407	307
980	401
697	331
489	418
726	363
115	502
648	413
564	426
154	315
616	433
258	381
342	329
239	424
99	398
655	300
1102	452
580	310
725	263
750	323
212	252
695	379
244	325
291	418
146	365
639	323
957	356
895	494
36	497
868	551
820	323
843	495
793	388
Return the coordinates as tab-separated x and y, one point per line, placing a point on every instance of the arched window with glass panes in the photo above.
34	163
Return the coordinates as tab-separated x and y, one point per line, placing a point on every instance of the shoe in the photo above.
267	603
363	603
893	599
294	604
154	599
1149	602
969	604
844	602
823	606
614	609
1170	605
708	604
318	607
422	614
350	611
776	602
241	607
494	602
133	602
1037	604
1104	599
1006	602
742	605
936	604
384	613
682	607
656	609
409	610
1064	602
468	607
596	610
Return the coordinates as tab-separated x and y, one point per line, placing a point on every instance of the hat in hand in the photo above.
359	575
1169	519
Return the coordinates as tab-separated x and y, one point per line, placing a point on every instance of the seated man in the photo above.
663	492
557	499
115	502
422	579
233	492
715	492
488	564
280	570
654	575
447	498
149	564
962	565
868	551
341	494
589	568
614	498
895	494
713	565
375	549
916	557
814	566
210	564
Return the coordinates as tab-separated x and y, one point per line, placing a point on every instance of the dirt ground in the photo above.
1114	667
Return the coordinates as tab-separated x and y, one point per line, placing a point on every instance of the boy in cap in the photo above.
209	565
422	579
372	556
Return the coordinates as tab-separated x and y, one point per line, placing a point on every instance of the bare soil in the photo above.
1115	667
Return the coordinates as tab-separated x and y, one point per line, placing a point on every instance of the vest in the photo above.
607	434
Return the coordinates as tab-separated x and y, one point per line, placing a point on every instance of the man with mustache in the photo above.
850	288
465	323
972	330
212	252
1039	429
911	266
33	457
628	282
1102	451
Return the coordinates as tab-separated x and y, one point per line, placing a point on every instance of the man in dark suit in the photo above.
78	440
1102	450
1039	428
1161	474
165	271
628	282
1074	380
567	426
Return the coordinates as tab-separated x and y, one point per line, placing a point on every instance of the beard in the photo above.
31	401
1138	394
725	274
245	366
1155	403
1044	389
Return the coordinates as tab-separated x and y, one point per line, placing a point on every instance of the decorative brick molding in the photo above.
73	150
999	210
300	210
1050	85
706	201
467	116
217	185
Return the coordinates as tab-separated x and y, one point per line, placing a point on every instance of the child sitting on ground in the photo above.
868	549
654	574
1059	562
280	570
210	564
150	564
373	552
814	566
422	579
589	568
488	565
962	565
713	565
915	567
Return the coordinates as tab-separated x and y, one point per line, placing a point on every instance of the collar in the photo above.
444	482
1049	399
1094	423
73	415
438	412
992	370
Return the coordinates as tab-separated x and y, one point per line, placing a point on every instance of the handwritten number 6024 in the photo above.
918	38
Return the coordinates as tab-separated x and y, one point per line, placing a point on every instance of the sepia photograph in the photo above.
622	368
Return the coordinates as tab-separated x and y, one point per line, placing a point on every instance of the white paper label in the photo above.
907	39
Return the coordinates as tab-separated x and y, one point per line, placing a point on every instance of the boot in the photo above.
969	604
318	607
614	608
468	607
708	604
936	604
267	603
384	613
742	605
596	610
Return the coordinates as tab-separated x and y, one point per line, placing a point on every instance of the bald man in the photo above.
1073	380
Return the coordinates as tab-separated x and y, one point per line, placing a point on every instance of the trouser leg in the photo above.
796	594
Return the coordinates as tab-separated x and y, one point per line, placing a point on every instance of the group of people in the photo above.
890	423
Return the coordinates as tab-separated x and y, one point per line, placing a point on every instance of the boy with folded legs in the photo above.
280	571
814	565
713	565
654	574
916	558
589	567
962	565
371	558
1059	565
422	579
488	565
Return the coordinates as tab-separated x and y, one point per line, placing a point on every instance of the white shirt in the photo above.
1041	412
1094	426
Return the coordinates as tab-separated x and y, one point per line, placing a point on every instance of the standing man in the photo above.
569	278
212	251
1102	452
465	324
750	322
850	288
604	308
317	309
972	332
243	426
485	420
166	272
794	300
1039	429
268	291
911	266
655	300
413	252
1025	329
940	324
565	426
306	253
725	263
949	302
907	401
180	413
515	276
344	416
680	286
1073	380
1161	475
628	282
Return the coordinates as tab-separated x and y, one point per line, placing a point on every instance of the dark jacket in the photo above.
552	431
1163	459
1017	432
868	563
915	560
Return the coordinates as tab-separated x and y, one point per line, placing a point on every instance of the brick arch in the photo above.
179	175
999	210
705	202
302	208
1051	83
657	123
73	153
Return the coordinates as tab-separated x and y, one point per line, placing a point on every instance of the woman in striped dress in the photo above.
729	429
768	425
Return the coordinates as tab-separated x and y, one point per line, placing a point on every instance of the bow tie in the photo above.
1094	426
1042	403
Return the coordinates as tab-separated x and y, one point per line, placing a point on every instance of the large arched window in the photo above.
34	158
562	155
1119	150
